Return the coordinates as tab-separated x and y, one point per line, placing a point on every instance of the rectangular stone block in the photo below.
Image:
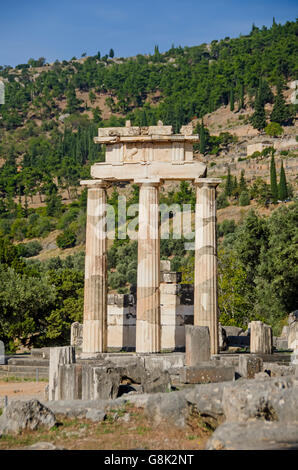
167	300
169	289
58	357
172	337
281	343
261	339
165	265
100	382
207	373
197	345
160	130
122	336
70	382
249	365
170	277
164	361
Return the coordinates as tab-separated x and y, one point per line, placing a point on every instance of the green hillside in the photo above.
47	124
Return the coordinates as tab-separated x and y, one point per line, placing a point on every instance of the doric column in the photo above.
95	292
205	292
148	331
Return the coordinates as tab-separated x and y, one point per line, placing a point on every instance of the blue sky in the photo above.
61	29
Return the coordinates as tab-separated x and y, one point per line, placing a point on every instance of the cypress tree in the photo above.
258	118
273	181
232	100
242	183
241	99
282	187
229	184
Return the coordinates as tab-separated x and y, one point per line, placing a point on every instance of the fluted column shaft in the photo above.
205	292
148	331
95	292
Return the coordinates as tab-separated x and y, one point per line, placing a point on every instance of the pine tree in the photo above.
282	187
280	112
273	180
111	53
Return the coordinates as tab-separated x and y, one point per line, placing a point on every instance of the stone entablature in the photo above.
147	144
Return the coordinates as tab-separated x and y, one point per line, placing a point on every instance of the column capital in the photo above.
209	182
95	184
147	181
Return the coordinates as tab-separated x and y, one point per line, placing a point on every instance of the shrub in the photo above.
26	250
68	217
255	154
244	199
116	280
274	129
227	226
222	201
66	239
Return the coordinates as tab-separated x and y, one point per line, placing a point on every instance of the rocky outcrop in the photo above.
255	436
21	415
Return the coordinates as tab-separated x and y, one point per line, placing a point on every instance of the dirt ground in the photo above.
17	390
123	428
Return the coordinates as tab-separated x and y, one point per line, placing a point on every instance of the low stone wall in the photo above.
176	310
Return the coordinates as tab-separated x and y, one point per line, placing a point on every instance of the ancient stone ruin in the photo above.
148	156
168	333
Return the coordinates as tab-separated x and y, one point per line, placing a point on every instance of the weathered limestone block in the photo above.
70	382
171	277
254	436
58	356
197	345
269	400
207	373
157	381
76	334
249	365
165	265
21	415
100	382
222	338
260	338
277	370
293	331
